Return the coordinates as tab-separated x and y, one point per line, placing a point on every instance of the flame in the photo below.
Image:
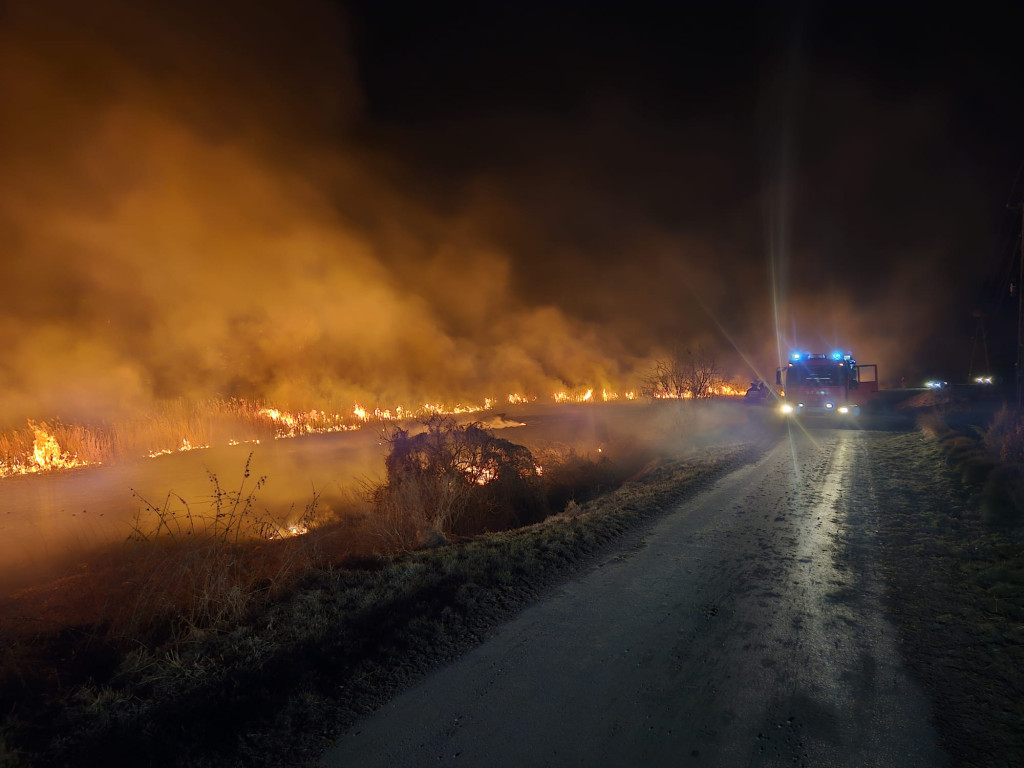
46	451
288	531
576	396
727	390
312	422
46	455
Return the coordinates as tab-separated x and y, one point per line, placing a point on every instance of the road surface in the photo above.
745	629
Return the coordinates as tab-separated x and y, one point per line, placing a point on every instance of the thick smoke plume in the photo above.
194	202
178	220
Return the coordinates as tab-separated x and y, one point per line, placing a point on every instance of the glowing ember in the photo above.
480	475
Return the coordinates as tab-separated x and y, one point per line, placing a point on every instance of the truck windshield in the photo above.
817	376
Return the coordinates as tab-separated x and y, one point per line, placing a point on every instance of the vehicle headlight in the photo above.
787	408
844	409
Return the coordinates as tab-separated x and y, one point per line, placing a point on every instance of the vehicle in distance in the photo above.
825	383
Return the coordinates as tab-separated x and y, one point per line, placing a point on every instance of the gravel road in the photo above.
745	628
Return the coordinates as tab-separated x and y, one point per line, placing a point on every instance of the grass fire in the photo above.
333	337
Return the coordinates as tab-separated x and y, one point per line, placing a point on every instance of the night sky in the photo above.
314	202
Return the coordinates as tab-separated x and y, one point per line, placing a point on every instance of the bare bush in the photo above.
453	480
684	373
665	380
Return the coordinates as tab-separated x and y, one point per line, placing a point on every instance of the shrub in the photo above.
453	480
1004	438
1003	497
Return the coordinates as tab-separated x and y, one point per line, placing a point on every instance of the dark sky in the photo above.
868	151
320	201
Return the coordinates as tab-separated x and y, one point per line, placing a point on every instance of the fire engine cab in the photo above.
819	383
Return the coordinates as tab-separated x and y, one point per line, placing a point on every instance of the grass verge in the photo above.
955	587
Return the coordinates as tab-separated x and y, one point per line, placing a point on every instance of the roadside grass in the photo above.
953	558
212	639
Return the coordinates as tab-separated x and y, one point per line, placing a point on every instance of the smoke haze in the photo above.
231	201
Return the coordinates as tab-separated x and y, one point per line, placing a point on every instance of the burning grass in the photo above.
185	425
171	426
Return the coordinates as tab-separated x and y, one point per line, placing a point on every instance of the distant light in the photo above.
933	384
829	406
983	380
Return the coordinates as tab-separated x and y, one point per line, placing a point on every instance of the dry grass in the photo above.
988	459
955	573
168	426
1004	437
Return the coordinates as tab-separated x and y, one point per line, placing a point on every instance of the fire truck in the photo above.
825	383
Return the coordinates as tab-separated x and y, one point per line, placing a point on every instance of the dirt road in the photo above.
746	628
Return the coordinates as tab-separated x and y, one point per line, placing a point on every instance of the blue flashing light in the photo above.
796	356
837	355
